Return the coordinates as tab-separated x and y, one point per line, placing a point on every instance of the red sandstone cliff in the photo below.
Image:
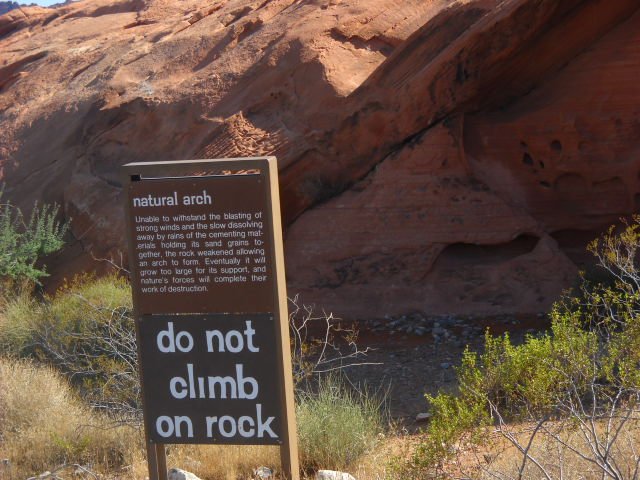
441	156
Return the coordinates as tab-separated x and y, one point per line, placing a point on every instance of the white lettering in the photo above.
225	384
164	426
246	433
243	381
218	334
174	391
204	199
168	334
151	201
245	388
232	426
233	341
227	426
211	421
179	421
264	426
249	332
239	341
167	340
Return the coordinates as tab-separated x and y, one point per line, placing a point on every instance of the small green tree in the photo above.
24	241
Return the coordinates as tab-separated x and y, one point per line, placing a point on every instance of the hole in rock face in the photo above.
523	144
556	146
545	184
527	159
636	203
468	254
571	184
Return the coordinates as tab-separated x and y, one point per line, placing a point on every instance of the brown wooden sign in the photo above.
205	252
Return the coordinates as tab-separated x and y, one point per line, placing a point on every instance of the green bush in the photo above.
337	424
23	242
586	367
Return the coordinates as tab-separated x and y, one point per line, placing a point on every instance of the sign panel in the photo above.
202	244
211	379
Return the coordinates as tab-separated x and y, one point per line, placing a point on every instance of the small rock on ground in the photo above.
179	474
423	417
333	475
263	473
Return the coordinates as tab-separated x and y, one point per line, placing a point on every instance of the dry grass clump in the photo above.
221	462
233	462
17	321
43	425
338	425
376	464
86	332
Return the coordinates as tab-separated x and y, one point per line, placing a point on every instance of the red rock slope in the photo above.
444	156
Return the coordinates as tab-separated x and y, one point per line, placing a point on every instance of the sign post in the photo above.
207	264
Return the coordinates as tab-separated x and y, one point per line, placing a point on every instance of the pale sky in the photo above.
42	3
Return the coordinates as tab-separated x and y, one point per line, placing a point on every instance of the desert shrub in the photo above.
337	424
43	425
85	331
517	382
24	241
584	374
320	344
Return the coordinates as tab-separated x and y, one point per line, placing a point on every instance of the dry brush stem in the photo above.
319	343
604	438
